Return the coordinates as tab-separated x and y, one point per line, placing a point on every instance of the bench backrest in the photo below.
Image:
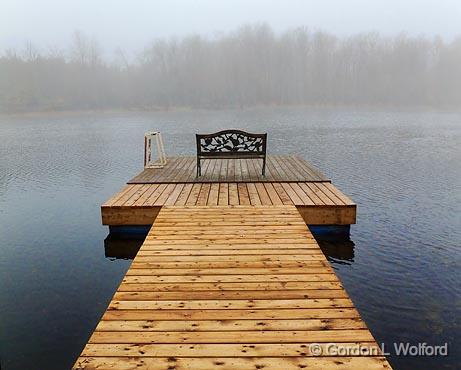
231	142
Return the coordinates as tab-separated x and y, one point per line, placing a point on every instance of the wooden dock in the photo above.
229	287
317	199
229	276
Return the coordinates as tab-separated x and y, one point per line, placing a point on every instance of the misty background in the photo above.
77	55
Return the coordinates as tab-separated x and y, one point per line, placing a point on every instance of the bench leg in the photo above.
264	166
199	168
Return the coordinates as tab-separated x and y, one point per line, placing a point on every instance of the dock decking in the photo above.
320	203
230	287
287	168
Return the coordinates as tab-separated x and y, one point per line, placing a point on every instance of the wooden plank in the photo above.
325	190
273	167
223	171
211	249
185	287
183	162
285	314
251	236
127	194
174	195
191	173
262	193
153	277
205	232
113	200
175	163
223	199
233	264
231	170
147	194
282	193
307	201
263	257
202	198
214	195
165	195
232	227
273	195
182	198
284	336
253	194
149	201
233	194
216	349
244	168
308	245
317	191
232	363
284	170
314	197
255	171
238	304
130	201
236	239
193	196
232	294
231	325
215	172
346	200
328	215
129	216
292	194
216	252
238	174
244	196
149	275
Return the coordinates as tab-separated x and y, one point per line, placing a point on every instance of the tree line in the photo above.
250	66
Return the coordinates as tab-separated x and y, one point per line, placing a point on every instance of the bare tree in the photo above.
250	66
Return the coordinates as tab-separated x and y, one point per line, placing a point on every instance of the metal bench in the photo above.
228	144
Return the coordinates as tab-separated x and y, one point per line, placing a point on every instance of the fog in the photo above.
206	54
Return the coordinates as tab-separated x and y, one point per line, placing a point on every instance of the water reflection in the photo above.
339	250
119	246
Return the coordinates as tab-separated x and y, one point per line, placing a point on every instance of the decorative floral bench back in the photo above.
231	144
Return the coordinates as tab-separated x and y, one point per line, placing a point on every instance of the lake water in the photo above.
402	267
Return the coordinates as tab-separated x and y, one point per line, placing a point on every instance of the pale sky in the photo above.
131	24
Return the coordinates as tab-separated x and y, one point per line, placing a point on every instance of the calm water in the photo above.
402	266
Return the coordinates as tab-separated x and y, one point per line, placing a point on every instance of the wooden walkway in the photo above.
279	168
230	287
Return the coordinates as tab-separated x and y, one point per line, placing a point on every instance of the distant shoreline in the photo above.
424	108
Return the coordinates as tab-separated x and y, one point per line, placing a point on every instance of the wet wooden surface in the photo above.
286	168
229	287
320	203
269	193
